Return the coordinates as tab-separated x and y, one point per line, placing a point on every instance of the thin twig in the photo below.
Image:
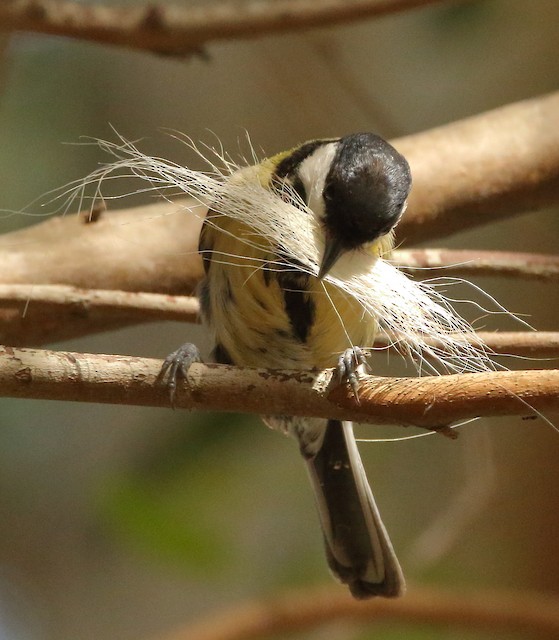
302	610
430	402
174	30
95	302
464	263
525	344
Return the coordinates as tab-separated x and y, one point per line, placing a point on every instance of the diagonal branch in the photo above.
466	174
174	30
430	402
152	248
481	169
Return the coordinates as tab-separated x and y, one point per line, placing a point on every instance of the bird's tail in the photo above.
358	548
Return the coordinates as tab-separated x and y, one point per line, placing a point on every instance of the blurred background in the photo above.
123	522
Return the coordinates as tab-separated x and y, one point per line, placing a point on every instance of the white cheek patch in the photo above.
313	171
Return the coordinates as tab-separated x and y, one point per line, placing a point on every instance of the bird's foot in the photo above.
176	366
348	367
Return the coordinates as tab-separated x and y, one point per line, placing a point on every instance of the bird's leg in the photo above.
348	367
176	365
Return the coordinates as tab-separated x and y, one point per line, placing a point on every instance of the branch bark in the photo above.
465	263
524	344
431	402
32	315
482	169
174	30
298	611
466	174
152	249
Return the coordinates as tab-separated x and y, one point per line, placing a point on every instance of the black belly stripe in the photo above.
221	355
205	246
204	298
298	305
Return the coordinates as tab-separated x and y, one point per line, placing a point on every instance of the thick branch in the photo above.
426	402
436	401
300	611
465	174
174	30
152	249
482	169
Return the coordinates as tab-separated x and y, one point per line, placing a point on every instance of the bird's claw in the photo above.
348	367
176	366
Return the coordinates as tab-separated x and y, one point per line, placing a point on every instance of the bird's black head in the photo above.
364	193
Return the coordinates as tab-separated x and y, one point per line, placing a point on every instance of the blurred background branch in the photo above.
469	263
170	29
307	609
466	174
35	314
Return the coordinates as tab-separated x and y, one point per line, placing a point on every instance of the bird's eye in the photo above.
328	193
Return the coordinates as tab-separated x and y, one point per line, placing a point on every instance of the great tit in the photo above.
281	316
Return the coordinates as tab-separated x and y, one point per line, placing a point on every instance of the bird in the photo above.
278	315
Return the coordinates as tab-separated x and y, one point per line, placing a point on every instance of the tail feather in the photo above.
358	548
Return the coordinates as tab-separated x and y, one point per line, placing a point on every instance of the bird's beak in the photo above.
332	251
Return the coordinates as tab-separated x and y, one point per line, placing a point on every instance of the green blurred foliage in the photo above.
201	501
174	505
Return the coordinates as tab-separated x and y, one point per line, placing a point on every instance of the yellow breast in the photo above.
247	306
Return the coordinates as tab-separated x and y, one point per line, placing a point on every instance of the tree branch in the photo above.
525	344
152	248
35	314
174	30
302	610
465	263
31	315
482	169
430	402
469	173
